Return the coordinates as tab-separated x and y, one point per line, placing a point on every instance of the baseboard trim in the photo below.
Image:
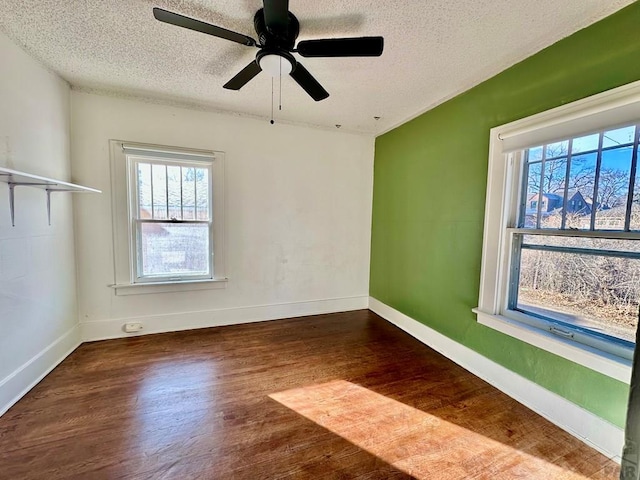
596	432
107	329
18	383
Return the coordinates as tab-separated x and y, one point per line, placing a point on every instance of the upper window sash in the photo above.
186	168
595	186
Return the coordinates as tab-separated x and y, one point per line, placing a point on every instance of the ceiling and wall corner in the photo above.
433	51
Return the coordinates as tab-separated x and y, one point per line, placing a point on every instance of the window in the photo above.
571	272
561	254
168	218
172	228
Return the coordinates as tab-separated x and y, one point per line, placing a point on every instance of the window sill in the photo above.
607	364
168	287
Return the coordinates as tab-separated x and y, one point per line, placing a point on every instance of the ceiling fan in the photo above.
277	30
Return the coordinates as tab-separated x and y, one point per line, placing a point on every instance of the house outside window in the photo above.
168	218
561	255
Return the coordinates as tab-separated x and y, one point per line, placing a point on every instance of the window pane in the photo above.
586	143
582	177
202	194
174	195
619	136
532	196
594	292
555	172
188	193
535	154
613	188
144	190
174	249
159	173
558	149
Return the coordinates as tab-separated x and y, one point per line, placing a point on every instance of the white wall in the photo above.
38	318
298	216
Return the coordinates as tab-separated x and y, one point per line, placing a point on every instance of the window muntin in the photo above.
575	262
171	205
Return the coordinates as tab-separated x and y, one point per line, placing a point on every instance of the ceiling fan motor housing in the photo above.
283	39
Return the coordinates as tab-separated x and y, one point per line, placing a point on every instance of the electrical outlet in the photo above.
132	327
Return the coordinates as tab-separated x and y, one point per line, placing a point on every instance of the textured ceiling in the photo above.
433	50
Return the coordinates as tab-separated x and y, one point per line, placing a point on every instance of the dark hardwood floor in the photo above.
341	396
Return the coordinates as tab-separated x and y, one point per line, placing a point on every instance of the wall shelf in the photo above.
15	178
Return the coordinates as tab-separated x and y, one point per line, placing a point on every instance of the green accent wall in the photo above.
429	194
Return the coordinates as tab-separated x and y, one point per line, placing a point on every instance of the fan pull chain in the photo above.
272	121
280	96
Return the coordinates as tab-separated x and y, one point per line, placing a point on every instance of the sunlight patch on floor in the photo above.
417	443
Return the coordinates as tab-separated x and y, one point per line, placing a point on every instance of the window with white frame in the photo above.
561	255
171	221
168	216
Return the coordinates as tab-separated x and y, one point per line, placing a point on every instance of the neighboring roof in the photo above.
551	196
573	193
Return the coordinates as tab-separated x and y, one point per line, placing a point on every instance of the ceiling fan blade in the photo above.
192	24
276	14
342	47
310	85
242	78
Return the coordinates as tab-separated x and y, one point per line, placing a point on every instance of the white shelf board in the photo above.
28	180
14	178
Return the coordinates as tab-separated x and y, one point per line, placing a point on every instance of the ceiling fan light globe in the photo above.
275	65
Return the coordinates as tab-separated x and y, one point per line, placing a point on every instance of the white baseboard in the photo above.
106	329
582	424
17	384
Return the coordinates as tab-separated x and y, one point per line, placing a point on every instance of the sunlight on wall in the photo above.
417	443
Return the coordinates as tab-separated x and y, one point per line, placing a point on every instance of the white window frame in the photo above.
614	108
136	222
124	192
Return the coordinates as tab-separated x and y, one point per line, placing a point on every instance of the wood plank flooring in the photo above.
340	396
